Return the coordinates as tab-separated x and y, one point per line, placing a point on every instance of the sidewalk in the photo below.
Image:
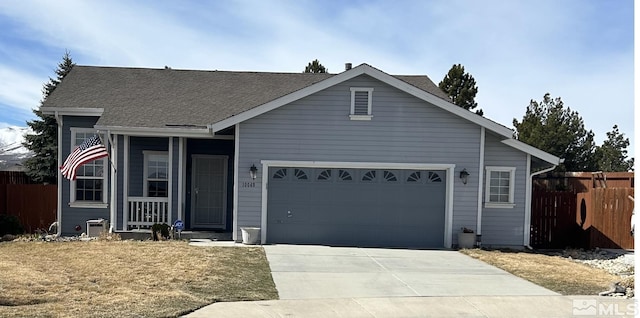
467	306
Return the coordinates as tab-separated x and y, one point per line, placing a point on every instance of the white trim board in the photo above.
533	151
125	182
181	177
480	181
72	111
164	132
113	162
236	164
449	168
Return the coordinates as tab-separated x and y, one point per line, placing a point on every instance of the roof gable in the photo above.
404	85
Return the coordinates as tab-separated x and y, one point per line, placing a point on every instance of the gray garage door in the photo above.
356	207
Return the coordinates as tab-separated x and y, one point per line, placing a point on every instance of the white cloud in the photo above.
516	50
19	89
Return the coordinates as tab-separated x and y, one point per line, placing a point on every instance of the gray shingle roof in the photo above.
138	97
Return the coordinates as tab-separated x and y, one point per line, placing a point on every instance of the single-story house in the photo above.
360	158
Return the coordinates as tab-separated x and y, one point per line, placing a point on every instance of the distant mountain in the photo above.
12	152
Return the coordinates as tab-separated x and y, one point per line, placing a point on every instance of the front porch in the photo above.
164	179
146	211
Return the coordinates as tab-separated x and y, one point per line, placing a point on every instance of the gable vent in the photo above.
361	103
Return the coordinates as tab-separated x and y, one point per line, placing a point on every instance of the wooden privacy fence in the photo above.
599	218
610	218
33	204
14	177
553	220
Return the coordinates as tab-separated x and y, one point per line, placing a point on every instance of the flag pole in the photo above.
109	156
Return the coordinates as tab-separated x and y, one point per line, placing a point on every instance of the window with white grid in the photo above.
500	187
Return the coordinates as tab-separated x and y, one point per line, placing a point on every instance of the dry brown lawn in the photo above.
126	278
552	272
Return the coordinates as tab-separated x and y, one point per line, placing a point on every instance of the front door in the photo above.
209	191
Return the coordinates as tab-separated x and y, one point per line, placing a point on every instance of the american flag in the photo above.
90	149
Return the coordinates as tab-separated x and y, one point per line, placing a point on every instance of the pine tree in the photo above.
612	155
43	166
548	126
461	88
315	67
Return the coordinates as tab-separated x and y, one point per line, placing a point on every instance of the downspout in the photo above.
59	203
527	213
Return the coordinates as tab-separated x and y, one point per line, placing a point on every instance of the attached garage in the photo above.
356	207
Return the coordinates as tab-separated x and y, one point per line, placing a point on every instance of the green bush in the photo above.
163	229
9	224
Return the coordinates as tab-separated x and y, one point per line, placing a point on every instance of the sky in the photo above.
579	50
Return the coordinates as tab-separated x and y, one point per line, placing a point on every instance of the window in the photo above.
88	190
389	176
344	175
280	174
361	103
156	174
499	188
300	174
325	174
369	176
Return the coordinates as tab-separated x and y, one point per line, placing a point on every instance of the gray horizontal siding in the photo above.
403	129
505	226
76	216
136	160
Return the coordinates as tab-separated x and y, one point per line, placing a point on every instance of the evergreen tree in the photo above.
43	166
461	88
548	126
315	67
612	155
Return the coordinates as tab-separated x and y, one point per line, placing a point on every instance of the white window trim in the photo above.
352	114
105	176
145	185
512	176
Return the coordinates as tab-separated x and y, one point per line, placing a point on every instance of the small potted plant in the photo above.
466	238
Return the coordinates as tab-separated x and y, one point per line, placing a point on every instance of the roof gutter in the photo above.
72	111
157	131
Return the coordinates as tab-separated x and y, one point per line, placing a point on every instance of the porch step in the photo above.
143	235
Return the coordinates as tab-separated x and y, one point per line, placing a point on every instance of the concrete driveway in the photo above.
314	272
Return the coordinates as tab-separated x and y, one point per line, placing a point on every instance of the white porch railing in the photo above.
145	211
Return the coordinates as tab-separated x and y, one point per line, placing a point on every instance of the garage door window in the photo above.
433	177
300	174
369	176
324	175
414	177
389	176
344	175
280	174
